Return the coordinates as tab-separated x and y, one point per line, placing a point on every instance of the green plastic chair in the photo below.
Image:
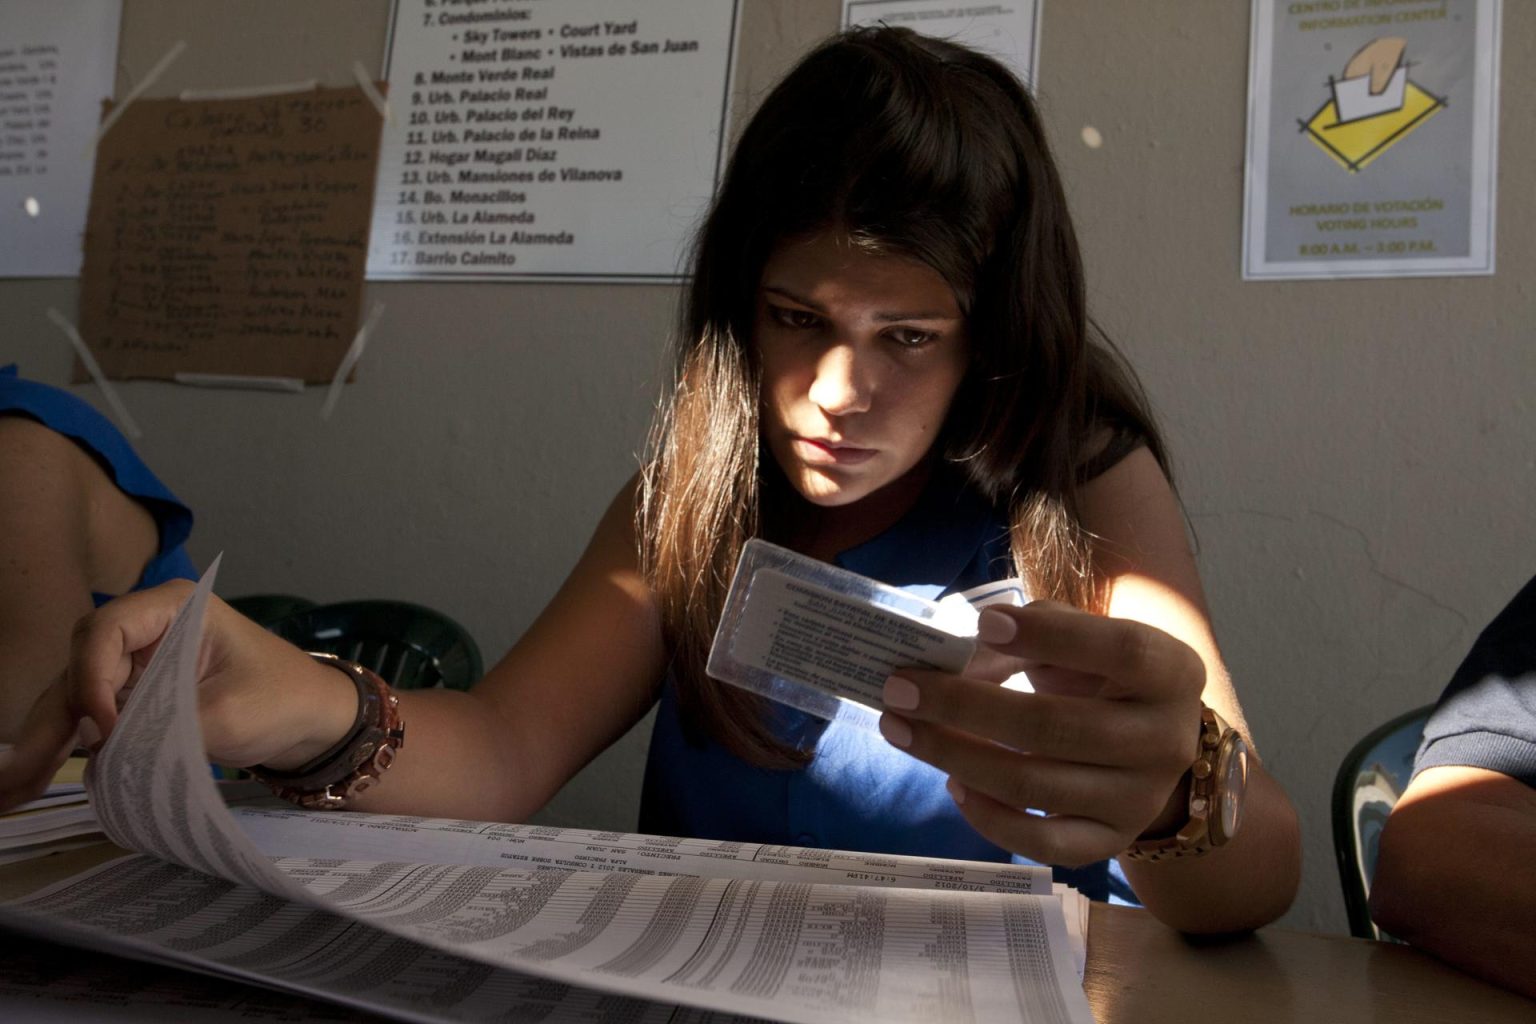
1371	778
411	646
266	609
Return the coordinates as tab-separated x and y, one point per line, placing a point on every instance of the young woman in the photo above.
885	362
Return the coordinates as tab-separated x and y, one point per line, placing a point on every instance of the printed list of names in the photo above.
532	138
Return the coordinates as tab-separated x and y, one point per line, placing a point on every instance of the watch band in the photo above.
355	763
1193	837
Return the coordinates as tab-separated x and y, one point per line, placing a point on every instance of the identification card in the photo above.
813	636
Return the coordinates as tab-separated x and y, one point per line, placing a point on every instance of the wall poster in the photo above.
57	62
1008	31
534	140
1372	138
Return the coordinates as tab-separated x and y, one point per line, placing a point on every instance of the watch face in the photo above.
1232	780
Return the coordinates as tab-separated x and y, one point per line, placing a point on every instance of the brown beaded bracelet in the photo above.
354	764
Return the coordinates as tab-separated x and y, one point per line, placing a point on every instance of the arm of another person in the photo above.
65	531
1456	872
583	673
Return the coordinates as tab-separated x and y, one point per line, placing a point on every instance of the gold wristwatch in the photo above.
1217	780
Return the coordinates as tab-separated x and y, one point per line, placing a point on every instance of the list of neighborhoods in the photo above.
549	138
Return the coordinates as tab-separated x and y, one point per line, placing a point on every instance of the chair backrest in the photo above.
267	609
411	646
1371	778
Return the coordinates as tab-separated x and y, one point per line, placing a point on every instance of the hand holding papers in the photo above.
479	920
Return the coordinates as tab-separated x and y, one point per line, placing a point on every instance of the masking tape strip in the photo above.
236	380
94	369
354	353
365	82
242	92
138	90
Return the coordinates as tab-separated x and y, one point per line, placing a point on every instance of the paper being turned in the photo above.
562	923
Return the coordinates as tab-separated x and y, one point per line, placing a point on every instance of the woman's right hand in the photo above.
260	699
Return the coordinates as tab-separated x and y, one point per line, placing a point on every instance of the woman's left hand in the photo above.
1101	746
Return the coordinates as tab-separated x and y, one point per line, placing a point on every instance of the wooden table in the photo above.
1141	972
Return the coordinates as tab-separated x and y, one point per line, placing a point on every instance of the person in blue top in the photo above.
884	360
82	520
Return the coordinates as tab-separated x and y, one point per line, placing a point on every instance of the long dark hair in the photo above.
911	147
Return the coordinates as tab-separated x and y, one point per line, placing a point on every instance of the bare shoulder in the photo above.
24	437
1135	517
43	474
1142	549
54	492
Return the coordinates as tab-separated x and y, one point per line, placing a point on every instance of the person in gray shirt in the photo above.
1456	874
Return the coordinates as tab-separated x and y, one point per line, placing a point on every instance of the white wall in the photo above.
1359	459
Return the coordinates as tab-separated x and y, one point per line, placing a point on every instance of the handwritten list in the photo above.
577	140
230	236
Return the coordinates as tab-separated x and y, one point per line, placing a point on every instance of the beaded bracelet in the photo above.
354	764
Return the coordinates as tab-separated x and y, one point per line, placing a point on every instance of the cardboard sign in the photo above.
229	236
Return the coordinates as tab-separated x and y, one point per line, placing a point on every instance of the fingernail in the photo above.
896	731
88	735
900	694
995	627
956	791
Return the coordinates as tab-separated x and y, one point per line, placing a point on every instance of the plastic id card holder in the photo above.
816	637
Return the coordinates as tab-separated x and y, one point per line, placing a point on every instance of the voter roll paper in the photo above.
813	636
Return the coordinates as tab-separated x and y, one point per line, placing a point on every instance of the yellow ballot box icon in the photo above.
1374	106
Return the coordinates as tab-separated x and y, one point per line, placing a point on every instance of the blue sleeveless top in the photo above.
858	792
77	420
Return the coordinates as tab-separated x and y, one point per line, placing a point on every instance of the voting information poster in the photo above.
575	141
1372	138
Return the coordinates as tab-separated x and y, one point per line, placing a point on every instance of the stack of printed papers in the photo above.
61	818
434	920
